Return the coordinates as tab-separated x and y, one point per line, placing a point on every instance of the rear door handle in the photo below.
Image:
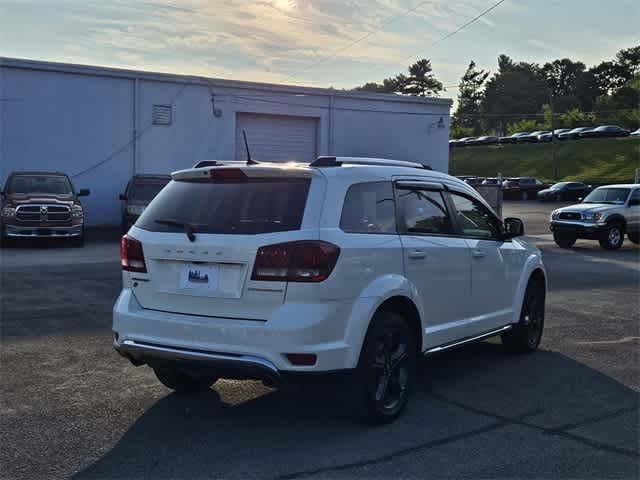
479	254
417	254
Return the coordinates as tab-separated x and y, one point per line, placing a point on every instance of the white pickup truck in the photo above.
606	214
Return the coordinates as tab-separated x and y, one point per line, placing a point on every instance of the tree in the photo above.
388	85
562	76
470	96
421	81
516	89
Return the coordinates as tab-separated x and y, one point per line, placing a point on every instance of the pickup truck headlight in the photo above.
76	211
591	217
135	209
9	212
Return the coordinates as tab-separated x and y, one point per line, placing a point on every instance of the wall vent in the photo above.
162	114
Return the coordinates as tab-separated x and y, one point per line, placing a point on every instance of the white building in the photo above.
102	125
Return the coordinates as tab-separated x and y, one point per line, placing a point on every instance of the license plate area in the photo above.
197	279
204	277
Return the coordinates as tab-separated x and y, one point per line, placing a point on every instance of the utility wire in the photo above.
364	37
448	35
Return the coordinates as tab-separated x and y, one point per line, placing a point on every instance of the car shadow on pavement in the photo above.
473	394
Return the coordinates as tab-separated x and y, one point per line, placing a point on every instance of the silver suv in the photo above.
606	214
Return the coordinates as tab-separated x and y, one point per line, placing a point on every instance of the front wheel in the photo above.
386	367
183	382
612	237
525	336
564	240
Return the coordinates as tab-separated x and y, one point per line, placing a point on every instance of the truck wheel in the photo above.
564	240
386	368
525	336
78	241
182	382
612	237
634	237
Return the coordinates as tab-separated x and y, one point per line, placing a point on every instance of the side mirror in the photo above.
84	192
513	227
122	196
634	202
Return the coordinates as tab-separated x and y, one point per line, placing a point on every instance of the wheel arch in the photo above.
534	268
616	217
405	307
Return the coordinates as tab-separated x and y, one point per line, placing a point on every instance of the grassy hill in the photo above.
611	160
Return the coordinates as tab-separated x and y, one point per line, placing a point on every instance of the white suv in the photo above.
265	270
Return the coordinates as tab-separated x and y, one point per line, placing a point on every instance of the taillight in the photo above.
301	261
227	175
131	255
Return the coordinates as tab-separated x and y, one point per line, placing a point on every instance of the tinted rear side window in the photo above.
369	208
246	207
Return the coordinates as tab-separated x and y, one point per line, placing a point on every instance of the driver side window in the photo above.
475	219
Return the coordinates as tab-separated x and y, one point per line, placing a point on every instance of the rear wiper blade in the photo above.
187	227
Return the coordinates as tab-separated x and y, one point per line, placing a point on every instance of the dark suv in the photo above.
140	190
41	205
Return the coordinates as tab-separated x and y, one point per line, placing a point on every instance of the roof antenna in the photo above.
246	145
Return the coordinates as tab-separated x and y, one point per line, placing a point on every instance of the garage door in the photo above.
277	138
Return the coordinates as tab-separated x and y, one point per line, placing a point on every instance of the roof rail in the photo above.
207	163
326	161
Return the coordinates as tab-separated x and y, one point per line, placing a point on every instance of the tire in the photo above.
386	368
613	237
525	337
634	237
183	382
564	240
78	242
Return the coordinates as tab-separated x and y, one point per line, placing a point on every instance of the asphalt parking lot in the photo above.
70	406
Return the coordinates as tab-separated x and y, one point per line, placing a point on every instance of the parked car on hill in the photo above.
275	273
532	137
41	205
565	191
512	138
140	190
574	133
485	140
606	214
547	137
522	188
605	131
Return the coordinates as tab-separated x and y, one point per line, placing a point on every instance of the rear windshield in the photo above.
247	207
146	191
51	184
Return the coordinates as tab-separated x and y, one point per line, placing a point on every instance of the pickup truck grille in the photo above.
43	213
570	216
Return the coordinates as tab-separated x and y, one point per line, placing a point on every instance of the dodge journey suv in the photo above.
272	271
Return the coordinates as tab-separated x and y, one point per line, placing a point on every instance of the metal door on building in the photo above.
277	138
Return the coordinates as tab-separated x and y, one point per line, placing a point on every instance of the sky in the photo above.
313	42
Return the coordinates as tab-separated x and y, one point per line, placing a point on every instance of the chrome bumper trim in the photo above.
24	231
140	349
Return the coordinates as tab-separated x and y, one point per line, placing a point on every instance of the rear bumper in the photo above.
254	349
23	231
589	231
225	365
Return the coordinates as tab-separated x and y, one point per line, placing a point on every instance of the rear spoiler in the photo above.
263	170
